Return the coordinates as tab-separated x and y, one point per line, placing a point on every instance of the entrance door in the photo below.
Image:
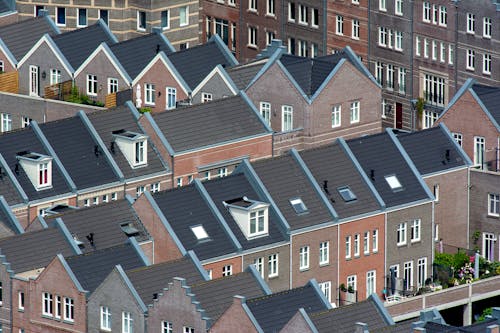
399	115
34	83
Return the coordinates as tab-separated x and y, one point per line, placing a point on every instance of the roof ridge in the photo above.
161	264
84	209
209	42
197	106
284	292
106	249
233	276
132	40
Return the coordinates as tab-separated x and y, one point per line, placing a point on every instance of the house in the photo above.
8	12
9	224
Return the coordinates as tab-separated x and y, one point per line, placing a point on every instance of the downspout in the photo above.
369	34
338	264
324	30
468	207
498	154
413	112
290	268
433	234
455	48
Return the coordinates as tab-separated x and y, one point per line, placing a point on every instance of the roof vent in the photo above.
129	229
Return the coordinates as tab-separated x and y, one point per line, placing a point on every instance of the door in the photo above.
34	82
399	115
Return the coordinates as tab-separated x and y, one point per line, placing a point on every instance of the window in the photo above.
82	17
55	76
171	98
351	283
471	24
489	246
421	272
436	192
434	50
346	193
141	20
114	196
92	85
252	5
222	172
69	309
426	11
270	8
165	19
434	14
486	63
417	46
382	5
139	190
355	29
375	240
443	16
167	327
38	8
95	201
395	269
104	15
286	118
61	16
415	230
339	27
402	80
6	122
326	288
383	105
355	112
270	35
257	225
47	303
291	12
379	72
314	17
252	37
20	300
398	43
479	144
390	77
155	187
356	2
58	306
183	16
348	247
401	234
265	112
434	90
442	53
366	242
336	116
408	275
458	138
179	181
487	27
149	94
314	50
140	152
426	48
188	329
86	203
371	283
303	49
199	232
105	198
259	265
324	255
303	19
356	245
298	206
382	36
127	322
105	318
206	97
190	179
389	38
393	182
43	174
398	7
430	118
470	59
273	265
2	67
493	204
450	54
112	85
227	270
304	258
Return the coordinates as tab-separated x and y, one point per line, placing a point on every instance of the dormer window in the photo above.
298	205
394	183
251	216
134	146
38	168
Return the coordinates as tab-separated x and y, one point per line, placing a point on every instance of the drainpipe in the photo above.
369	34
413	113
324	30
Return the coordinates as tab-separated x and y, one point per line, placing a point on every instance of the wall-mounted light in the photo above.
44	75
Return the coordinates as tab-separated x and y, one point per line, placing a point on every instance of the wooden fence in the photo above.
9	82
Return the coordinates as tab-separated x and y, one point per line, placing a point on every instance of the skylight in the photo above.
347	194
393	182
298	205
199	232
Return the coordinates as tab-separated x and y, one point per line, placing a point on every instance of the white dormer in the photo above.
38	168
134	147
251	216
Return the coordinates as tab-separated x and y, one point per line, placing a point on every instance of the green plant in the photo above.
144	110
350	289
419	106
342	287
486	312
476	235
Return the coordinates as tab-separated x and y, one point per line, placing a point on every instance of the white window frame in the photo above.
355	29
408	274
339	25
6	122
479	151
488	249
434	50
84	10
366	242
259	265
375	241
371	283
352	282
112	85
470	59
382	5
270	8
421	272
487	63
458	138
55	76
252	37
92	85
183	21
206	97
398	40
252	5
326	288
265	112
60	24
382	36
493	204
401	234
416	230
398	7
336	116
348	247
167	327
20	300
357	240
286	118
171	98
34	81
355	112
127	322
426	48
324	253
471	23
167	15
155	187
291	12
487	27
69	309
47	304
450	54
273	265
149	94
303	19
304	258
443	16
314	17
402	80
139	19
58	306
426	11
227	270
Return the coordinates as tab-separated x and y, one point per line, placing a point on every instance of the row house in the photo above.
8	12
178	21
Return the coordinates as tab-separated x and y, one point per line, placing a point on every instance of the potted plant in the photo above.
350	289
342	287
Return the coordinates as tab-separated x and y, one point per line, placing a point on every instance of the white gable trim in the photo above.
224	76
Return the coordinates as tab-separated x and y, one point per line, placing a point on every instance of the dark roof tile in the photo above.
490	96
242	75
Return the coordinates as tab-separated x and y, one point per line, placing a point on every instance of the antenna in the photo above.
90	238
325	187
157	48
372	174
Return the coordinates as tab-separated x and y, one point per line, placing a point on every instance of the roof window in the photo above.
199	232
393	182
298	205
347	194
129	229
133	145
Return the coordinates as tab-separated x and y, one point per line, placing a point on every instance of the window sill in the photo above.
375	251
81	26
357	256
270	15
47	316
348	258
304	269
401	244
252	46
339	34
314	26
413	241
60	24
141	29
273	276
291	21
67	321
183	25
470	69
253	11
20	310
354	38
494	216
324	264
304	23
366	254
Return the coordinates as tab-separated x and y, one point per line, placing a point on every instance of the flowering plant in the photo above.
466	273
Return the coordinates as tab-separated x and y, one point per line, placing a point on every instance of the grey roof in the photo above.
343	319
274	311
92	268
284	179
20	37
8	190
242	75
35	249
195	63
104	221
6	227
432	150
149	280
209	123
216	296
332	164
135	54
77	45
4	6
490	96
238	186
105	122
431	327
75	147
11	143
185	207
379	153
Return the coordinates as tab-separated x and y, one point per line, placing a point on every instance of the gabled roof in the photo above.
105	122
20	37
92	268
153	279
243	74
381	156
274	311
8	188
433	150
215	296
77	45
9	224
196	62
135	54
105	222
207	124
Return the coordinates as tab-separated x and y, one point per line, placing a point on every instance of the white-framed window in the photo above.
127	322
155	187
355	112
165	19
188	329
351	283
458	138
379	72
375	240
222	172
272	265
291	11
55	76
190	179
257	222
434	90
179	181
286	118
114	196
2	67
171	98
493	204
398	7
398	43
303	49
434	50
390	33
336	116
450	54
436	192
443	16
104	15
270	10
37	9
383	105
47	304
339	26
314	50
421	272
430	117
324	253
58	308
366	242
402	80
149	94
259	265
356	245
95	201
486	27
415	230
326	288
60	16
382	36
303	18
252	5
486	63
91	85
270	35
442	52
82	17
390	77
86	202
183	16
471	23
6	122
479	149
139	190
401	234
20	300
471	54
69	309
314	17
382	5
304	258
355	29
44	174
140	152
112	85
348	247
395	268
408	275
371	283
252	37
141	20
426	11
227	270
355	2
167	327
265	112
489	240
105	198
426	48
